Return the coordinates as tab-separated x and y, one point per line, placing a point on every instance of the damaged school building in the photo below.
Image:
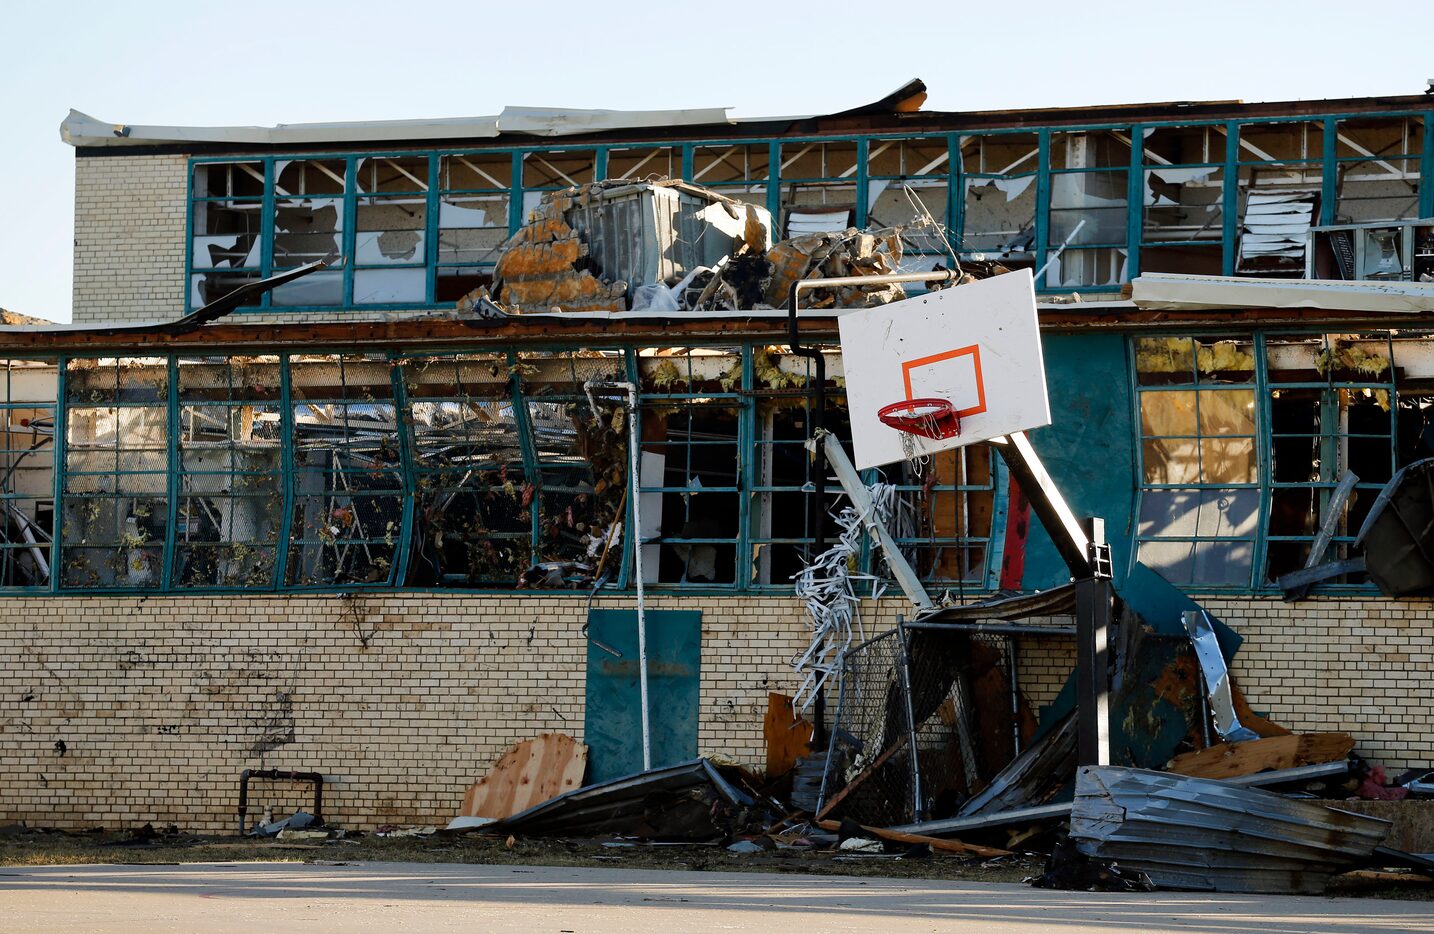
333	471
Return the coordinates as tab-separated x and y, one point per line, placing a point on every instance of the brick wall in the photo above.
129	238
403	699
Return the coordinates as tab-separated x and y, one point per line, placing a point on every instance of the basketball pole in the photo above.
1083	547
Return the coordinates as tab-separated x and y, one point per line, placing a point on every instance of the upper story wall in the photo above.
1090	205
130	215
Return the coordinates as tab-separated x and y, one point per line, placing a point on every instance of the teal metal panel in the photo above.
1088	448
1329	175
1230	216
612	726
1426	169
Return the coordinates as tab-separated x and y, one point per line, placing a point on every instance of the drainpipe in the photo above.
634	457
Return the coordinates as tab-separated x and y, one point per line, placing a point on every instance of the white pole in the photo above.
634	465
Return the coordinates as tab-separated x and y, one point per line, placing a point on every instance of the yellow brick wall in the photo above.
403	699
129	238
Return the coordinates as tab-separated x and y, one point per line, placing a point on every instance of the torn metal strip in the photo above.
1217	677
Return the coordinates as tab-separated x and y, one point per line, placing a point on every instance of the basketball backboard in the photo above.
976	345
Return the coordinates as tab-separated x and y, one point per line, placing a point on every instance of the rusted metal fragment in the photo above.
1192	833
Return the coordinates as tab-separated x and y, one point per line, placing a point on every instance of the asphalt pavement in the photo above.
315	898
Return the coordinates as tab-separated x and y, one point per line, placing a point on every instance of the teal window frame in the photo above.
15	451
1234	160
1329	463
556	478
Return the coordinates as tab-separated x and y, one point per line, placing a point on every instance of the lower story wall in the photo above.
117	711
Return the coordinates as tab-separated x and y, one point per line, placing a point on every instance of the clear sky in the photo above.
205	62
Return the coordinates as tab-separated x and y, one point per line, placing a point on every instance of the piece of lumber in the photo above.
1229	760
944	845
862	776
788	736
530	773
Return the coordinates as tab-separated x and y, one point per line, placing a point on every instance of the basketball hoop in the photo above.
926	418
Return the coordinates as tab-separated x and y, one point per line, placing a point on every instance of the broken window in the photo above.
1200	499
999	206
943	515
1378	168
580	459
641	162
347	481
909	187
115	512
818	187
738	171
472	521
1088	209
390	231
229	513
1280	180
1183	197
552	171
308	226
474	197
227	245
690	466
780	497
1330	412
27	473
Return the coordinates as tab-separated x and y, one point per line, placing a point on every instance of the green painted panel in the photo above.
613	723
1089	447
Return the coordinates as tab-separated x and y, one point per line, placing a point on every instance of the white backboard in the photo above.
976	345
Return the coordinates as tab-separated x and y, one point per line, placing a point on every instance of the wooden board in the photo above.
1229	760
530	773
939	844
789	737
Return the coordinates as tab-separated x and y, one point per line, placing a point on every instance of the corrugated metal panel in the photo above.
1193	833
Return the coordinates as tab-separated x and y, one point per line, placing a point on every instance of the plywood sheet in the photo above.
530	773
789	737
1229	760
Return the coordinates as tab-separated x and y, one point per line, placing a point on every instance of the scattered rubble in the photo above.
664	245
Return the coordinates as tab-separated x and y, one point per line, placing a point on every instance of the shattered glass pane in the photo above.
390	231
471	228
1000	215
1184	204
1088	208
228	235
307	230
1084	268
392	174
207	287
301	178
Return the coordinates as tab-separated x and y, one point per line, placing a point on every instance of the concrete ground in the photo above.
241	898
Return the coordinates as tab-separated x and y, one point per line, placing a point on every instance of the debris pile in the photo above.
665	245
